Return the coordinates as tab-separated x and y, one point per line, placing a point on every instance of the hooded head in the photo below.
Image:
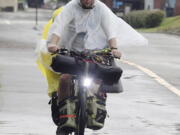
87	4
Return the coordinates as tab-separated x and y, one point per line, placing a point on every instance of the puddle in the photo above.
130	77
150	102
129	74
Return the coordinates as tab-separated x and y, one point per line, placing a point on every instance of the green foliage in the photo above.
170	24
144	18
154	18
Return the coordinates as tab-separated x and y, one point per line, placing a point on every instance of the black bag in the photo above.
66	64
109	74
70	65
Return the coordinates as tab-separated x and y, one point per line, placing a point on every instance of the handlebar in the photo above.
87	53
100	63
101	56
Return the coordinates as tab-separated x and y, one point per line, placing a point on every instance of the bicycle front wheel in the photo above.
82	113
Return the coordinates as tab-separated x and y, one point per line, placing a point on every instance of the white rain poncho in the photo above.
78	29
92	28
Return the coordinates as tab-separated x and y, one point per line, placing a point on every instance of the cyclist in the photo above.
84	24
77	27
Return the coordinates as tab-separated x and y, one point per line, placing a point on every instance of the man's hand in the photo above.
53	48
116	53
114	49
52	45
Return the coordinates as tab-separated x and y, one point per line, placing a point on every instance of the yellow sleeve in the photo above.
50	22
46	59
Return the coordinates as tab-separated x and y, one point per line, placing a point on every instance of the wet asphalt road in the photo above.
162	56
144	108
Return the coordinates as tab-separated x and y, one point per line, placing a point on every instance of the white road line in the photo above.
155	77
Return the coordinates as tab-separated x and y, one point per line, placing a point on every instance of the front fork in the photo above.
82	95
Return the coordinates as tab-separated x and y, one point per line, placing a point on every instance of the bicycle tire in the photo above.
82	112
60	132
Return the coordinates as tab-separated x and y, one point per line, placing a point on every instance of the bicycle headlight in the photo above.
87	82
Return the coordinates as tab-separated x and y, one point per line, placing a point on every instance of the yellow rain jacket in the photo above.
44	58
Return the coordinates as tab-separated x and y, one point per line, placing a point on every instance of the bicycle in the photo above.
86	65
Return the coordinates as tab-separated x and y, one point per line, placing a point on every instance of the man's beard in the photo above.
86	7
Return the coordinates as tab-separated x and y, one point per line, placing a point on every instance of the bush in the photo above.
154	18
144	18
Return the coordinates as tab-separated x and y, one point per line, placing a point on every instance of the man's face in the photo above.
87	3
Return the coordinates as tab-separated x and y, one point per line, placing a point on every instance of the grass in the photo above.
170	24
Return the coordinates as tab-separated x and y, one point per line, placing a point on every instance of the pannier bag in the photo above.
96	112
67	114
54	108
